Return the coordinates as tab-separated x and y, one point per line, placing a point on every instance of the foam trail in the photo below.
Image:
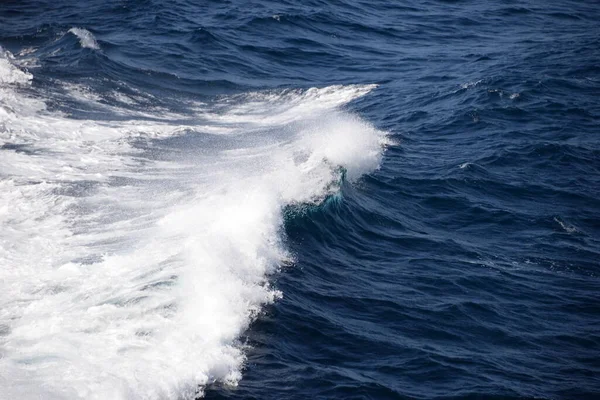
86	38
126	277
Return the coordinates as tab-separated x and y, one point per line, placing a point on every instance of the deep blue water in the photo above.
465	264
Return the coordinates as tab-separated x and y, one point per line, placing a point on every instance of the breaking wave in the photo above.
136	253
86	38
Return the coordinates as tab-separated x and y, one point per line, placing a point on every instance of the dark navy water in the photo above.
464	264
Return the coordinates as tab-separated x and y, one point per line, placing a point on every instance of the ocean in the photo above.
259	199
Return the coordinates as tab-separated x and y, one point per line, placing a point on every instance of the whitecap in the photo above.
86	38
9	73
470	84
566	226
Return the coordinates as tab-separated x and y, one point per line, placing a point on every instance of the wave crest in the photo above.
86	38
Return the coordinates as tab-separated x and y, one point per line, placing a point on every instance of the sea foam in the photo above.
86	38
125	276
9	73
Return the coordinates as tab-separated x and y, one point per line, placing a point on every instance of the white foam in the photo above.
566	226
282	107
86	38
9	73
469	85
141	289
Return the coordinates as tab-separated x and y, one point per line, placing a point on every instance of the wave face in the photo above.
341	199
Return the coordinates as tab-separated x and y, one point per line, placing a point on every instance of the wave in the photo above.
86	38
9	73
129	274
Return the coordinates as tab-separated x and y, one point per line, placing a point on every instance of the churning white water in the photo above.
133	254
